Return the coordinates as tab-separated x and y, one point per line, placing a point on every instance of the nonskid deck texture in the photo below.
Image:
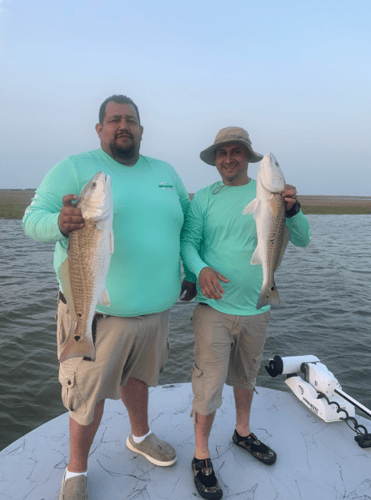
315	460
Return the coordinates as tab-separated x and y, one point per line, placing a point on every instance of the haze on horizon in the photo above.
295	75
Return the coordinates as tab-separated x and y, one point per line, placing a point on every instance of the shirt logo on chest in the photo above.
166	185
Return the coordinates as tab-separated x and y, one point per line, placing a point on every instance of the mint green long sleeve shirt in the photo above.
216	234
149	204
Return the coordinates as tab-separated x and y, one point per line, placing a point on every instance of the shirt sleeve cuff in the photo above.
295	209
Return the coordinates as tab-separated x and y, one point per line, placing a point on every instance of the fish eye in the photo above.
94	184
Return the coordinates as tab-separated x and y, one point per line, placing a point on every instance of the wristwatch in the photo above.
295	209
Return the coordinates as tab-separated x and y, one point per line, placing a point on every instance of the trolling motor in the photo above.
320	391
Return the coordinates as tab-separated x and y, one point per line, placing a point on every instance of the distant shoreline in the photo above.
13	203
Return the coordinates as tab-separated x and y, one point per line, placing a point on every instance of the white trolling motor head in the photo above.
288	365
320	391
315	372
317	390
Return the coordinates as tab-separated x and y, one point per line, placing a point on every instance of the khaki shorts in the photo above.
228	349
134	347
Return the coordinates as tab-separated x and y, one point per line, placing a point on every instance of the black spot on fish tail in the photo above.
77	338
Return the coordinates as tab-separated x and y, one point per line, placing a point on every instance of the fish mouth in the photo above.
107	182
102	176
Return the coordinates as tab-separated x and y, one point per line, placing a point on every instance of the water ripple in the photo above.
325	292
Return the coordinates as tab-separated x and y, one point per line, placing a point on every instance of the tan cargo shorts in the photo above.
125	347
228	349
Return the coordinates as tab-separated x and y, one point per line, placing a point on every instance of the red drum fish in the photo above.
83	273
269	212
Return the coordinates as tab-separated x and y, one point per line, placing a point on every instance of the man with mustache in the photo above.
149	203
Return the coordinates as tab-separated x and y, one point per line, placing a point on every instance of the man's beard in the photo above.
126	153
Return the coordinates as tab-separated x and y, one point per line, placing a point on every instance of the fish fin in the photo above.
104	298
257	210
112	242
100	224
274	204
78	347
256	259
268	296
66	288
286	239
97	236
251	207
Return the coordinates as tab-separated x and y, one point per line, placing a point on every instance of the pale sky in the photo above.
295	74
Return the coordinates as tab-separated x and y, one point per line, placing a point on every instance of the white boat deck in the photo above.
316	460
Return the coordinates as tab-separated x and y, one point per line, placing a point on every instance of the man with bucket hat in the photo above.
217	244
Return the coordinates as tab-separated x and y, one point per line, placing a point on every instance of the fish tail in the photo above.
78	347
268	296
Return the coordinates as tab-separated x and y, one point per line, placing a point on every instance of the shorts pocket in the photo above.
65	326
71	397
198	383
257	361
163	357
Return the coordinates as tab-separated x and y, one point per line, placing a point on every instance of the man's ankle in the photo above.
70	474
243	432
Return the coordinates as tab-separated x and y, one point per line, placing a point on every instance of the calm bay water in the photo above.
325	292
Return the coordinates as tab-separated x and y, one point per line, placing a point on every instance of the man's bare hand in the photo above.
209	283
190	290
289	196
70	217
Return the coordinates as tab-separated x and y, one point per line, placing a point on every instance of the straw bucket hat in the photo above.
226	135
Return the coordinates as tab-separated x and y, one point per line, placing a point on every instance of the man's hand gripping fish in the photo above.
83	274
269	212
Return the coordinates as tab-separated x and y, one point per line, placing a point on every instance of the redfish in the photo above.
269	212
83	273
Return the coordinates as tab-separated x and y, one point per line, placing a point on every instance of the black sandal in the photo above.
205	480
257	449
